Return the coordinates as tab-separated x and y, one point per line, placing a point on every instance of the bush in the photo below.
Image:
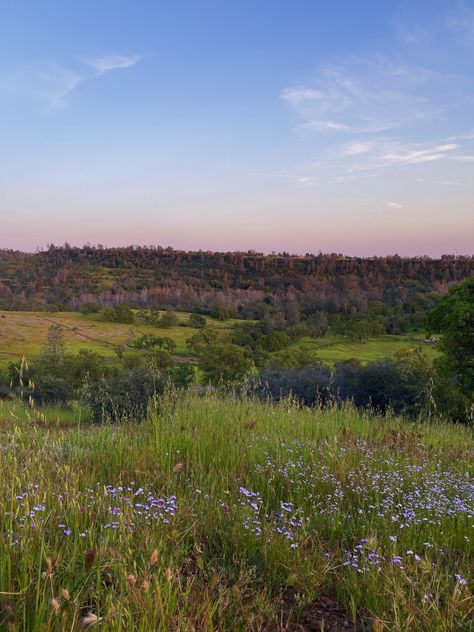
89	307
401	383
122	397
119	314
168	319
308	384
197	321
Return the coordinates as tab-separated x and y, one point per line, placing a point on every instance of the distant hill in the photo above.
246	283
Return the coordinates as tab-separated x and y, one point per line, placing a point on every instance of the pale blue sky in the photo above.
273	125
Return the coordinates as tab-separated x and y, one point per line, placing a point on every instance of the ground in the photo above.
225	514
25	333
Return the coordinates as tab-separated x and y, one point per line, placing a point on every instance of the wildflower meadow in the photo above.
224	513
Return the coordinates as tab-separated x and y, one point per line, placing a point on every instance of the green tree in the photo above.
89	307
168	319
183	375
453	317
197	321
223	363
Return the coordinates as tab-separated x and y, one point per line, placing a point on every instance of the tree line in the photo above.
259	355
235	284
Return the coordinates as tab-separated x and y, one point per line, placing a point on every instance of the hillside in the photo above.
225	514
25	334
247	283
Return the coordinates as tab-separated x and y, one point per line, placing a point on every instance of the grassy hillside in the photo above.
25	333
331	349
218	514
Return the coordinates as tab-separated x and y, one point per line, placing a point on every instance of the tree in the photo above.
223	362
89	307
453	317
119	314
123	314
183	375
168	319
197	321
55	343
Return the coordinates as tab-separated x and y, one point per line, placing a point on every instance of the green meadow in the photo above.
331	349
226	514
25	333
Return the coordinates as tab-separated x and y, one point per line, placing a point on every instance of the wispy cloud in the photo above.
363	96
297	95
354	149
322	126
393	205
53	83
413	157
306	182
450	183
45	82
113	62
463	158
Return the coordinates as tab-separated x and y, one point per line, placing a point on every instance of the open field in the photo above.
224	514
25	333
331	349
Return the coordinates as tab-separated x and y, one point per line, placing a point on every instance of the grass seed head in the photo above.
154	557
55	605
90	619
65	594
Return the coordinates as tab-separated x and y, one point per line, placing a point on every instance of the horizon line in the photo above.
251	251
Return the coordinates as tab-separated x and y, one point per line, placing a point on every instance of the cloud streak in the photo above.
363	96
394	205
53	83
113	62
414	157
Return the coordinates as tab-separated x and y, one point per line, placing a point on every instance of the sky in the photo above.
272	125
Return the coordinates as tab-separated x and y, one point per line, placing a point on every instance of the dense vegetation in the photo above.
266	352
222	513
389	292
166	469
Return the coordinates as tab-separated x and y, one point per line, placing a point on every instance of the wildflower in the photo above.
460	579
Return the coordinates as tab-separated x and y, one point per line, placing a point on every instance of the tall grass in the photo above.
229	514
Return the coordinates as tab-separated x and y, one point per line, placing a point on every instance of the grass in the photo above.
331	349
226	514
25	333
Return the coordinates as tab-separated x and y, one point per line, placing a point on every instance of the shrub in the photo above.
122	396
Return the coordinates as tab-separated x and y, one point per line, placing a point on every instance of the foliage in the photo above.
401	384
149	341
197	321
454	317
122	396
168	319
249	285
223	363
89	307
119	314
218	513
